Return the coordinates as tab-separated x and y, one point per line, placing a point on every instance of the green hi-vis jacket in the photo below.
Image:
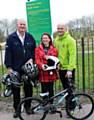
66	46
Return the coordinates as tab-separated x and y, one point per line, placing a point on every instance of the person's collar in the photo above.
20	35
63	36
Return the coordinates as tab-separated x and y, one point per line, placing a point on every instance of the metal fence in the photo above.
85	66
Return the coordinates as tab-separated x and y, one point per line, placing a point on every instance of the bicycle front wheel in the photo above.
83	107
37	112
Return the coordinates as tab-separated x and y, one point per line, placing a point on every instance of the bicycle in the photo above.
40	107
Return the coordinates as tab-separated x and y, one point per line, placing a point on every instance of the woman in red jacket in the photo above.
42	52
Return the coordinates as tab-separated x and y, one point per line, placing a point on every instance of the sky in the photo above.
62	11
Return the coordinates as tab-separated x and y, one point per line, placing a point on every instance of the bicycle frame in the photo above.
62	96
43	106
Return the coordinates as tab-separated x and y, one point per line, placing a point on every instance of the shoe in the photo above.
15	115
28	111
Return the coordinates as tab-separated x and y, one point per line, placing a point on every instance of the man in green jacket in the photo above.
66	46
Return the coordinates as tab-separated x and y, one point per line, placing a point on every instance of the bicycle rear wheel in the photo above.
83	107
37	112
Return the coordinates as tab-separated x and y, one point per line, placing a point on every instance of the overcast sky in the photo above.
61	10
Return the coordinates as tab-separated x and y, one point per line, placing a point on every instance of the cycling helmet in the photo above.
15	79
31	71
52	63
7	91
8	81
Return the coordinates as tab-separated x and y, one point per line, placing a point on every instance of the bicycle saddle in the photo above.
44	94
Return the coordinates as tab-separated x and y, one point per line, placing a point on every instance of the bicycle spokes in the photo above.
83	107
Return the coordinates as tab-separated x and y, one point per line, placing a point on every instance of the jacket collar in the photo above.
20	35
41	46
63	36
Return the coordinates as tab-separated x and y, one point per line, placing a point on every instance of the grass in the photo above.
88	78
82	81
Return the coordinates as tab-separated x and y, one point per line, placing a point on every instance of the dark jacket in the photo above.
17	54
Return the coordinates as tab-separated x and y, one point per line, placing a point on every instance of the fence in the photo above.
85	66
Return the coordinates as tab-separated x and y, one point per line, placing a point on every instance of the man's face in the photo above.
21	26
61	29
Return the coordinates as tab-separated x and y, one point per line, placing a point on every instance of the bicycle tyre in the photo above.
35	102
83	109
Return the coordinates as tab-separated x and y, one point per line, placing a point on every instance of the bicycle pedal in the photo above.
63	108
60	113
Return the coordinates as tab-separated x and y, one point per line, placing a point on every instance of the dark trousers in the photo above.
65	82
48	87
28	90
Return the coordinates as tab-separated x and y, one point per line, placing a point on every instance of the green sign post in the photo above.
38	18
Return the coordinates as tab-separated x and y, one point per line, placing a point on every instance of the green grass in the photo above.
2	71
88	69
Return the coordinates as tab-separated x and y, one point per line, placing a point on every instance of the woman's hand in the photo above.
44	67
46	57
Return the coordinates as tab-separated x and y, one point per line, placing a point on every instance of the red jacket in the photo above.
45	76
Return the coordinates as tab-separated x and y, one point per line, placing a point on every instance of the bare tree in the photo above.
13	26
7	28
82	27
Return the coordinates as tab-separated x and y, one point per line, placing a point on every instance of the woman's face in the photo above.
45	40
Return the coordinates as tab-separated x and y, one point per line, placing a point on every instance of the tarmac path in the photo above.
6	113
9	116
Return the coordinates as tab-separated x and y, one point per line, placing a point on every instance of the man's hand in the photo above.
69	74
30	61
9	71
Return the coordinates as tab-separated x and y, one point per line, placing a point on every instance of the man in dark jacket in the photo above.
20	48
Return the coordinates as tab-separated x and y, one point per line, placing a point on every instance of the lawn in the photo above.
84	80
85	71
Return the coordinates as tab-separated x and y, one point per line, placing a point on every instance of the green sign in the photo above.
38	18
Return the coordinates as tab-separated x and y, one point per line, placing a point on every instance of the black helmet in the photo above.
31	70
6	79
9	80
52	63
15	79
7	91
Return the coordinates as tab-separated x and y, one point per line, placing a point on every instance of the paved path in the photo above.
9	116
6	113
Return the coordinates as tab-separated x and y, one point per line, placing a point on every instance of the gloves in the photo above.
69	74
